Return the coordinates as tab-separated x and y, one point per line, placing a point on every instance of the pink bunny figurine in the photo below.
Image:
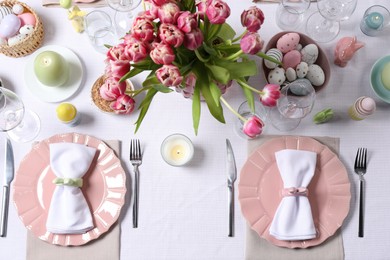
345	48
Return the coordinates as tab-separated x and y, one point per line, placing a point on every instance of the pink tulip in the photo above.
186	21
143	29
116	53
253	127
117	69
171	35
169	75
148	14
189	85
162	53
217	11
252	19
251	43
193	39
202	7
112	89
168	12
271	93
124	104
136	51
159	2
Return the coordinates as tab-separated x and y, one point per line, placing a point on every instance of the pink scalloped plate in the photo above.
260	185
104	188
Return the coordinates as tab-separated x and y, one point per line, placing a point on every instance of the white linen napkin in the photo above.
69	212
293	219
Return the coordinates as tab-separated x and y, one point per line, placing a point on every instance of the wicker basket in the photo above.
31	42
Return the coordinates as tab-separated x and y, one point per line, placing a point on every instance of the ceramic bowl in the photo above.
321	61
376	79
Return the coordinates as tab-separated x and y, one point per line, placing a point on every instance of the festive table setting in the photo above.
194	129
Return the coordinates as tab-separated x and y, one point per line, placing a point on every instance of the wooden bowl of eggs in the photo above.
301	58
21	29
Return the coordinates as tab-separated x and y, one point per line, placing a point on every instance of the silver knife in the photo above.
232	176
8	177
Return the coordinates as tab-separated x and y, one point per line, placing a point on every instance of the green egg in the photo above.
66	4
386	76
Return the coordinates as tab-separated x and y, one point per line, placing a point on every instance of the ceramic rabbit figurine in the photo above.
345	49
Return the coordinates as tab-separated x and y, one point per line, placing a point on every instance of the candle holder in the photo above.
376	18
177	150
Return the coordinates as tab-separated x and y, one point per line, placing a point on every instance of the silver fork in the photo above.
136	160
360	169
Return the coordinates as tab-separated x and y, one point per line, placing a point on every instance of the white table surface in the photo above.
183	211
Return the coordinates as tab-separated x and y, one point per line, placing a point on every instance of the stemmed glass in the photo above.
296	101
324	25
290	13
123	14
20	124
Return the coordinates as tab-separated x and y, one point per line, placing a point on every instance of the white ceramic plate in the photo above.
55	94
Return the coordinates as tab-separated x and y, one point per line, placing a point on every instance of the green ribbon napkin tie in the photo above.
75	182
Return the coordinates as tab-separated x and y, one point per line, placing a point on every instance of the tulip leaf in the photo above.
215	93
248	95
131	74
226	32
188	5
144	106
146	64
209	49
151	80
220	74
162	88
214	30
196	108
239	69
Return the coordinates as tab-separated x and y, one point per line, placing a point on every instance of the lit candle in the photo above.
374	20
177	150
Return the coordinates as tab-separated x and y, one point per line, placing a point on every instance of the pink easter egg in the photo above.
27	18
9	26
288	42
291	59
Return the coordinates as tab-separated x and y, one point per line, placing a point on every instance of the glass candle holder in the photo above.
375	20
177	150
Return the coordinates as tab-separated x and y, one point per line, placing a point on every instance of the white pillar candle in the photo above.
177	150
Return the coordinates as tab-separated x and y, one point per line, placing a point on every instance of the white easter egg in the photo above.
302	69
291	74
26	29
299	47
9	26
17	9
16	39
4	11
276	76
315	75
273	53
310	53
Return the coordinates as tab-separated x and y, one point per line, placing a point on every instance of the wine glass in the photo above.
290	13
324	25
123	14
20	124
296	101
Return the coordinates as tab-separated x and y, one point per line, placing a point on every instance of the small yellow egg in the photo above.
66	112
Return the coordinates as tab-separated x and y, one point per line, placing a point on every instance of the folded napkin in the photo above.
257	248
293	219
69	212
79	3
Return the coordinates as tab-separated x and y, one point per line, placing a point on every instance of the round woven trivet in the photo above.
31	42
102	104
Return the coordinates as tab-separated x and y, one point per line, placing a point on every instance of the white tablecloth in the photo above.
183	211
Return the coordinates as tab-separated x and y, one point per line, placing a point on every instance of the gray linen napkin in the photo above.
258	248
56	3
102	248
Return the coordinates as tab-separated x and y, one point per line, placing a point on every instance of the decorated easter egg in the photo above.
300	87
310	53
17	9
27	18
288	42
273	53
276	76
291	59
302	69
26	29
315	75
9	26
299	47
16	39
291	74
4	11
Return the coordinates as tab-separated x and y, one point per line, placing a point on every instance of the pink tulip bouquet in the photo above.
188	47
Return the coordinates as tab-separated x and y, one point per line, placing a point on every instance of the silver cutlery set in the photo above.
7	179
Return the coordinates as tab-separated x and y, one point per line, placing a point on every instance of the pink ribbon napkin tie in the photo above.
293	218
69	212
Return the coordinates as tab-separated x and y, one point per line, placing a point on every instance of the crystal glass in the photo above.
123	14
290	13
20	124
324	25
296	101
246	112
